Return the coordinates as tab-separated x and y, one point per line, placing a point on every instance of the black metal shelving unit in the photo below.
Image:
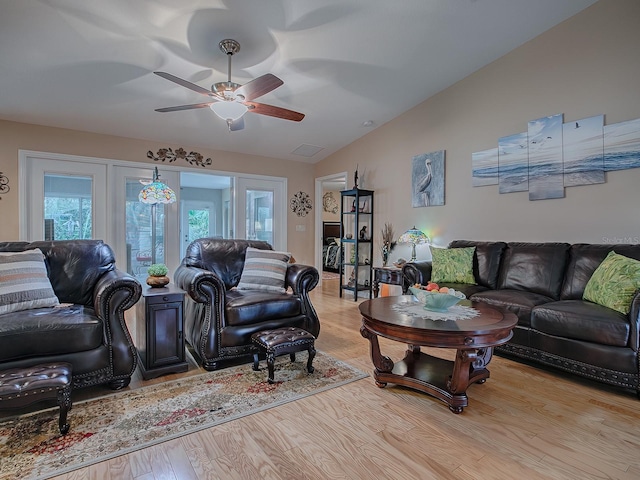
356	213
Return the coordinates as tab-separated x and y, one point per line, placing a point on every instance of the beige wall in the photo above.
16	136
586	66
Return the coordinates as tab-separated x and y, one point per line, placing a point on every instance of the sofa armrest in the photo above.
115	292
301	278
203	286
416	272
204	306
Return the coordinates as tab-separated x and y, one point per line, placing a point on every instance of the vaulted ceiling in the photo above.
348	65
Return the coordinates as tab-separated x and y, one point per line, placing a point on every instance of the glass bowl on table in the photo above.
437	301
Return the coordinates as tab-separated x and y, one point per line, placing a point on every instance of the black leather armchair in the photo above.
88	330
220	319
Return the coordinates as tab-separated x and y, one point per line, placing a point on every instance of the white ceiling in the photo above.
87	64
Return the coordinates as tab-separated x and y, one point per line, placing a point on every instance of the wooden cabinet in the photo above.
356	230
159	331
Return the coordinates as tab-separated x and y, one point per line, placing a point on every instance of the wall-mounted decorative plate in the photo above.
300	204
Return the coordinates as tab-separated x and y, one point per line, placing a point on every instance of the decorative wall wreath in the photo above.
300	204
4	184
329	203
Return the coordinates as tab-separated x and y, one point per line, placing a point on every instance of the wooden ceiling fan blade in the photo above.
183	107
185	83
259	86
273	111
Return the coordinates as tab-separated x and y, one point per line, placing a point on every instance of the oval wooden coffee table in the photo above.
473	338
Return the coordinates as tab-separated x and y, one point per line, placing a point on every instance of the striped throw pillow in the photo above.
264	270
24	283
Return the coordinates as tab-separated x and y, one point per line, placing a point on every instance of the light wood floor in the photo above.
523	423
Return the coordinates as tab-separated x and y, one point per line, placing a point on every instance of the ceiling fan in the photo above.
229	100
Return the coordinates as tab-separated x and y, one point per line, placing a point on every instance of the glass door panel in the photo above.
259	215
198	220
263	210
62	199
138	230
135	248
67	207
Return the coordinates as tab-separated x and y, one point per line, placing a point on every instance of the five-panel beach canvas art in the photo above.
552	155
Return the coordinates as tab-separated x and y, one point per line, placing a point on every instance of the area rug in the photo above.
31	445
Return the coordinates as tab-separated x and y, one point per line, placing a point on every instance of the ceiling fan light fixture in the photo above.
229	110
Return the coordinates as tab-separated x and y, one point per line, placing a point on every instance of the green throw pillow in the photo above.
452	265
614	283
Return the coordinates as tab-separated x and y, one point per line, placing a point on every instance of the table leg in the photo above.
381	362
468	367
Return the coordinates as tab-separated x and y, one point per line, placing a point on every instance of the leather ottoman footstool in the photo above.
20	387
280	341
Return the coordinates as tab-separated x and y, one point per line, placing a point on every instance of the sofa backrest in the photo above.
486	261
224	257
73	266
584	259
534	267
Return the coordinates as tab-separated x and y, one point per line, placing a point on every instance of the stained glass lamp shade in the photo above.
414	237
152	194
157	192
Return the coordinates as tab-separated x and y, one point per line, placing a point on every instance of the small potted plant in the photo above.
157	275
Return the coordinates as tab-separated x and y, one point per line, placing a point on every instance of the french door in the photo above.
63	200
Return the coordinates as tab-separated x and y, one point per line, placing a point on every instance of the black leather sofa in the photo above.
543	284
220	319
88	330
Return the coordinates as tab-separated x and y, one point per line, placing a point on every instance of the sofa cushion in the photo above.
23	282
584	259
453	265
486	261
49	331
614	283
581	320
246	307
264	270
519	302
534	267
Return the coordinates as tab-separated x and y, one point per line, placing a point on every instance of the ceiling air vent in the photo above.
305	150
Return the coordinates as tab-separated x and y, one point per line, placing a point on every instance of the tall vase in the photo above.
385	254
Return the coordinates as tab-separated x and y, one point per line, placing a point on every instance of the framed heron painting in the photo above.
427	179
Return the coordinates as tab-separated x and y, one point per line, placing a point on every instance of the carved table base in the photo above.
443	379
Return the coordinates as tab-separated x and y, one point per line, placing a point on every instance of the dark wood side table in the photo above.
389	276
159	331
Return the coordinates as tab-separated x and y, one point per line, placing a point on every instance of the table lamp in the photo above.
414	237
